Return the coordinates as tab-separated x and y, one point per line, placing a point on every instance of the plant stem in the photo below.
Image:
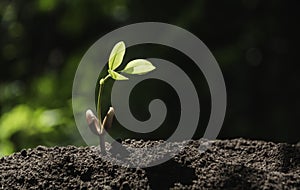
102	144
101	135
99	103
99	98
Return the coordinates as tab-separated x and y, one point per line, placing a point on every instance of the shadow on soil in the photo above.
165	175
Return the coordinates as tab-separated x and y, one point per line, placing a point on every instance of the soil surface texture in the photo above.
202	164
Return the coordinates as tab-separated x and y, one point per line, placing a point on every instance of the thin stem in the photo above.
107	76
102	144
101	135
99	103
99	98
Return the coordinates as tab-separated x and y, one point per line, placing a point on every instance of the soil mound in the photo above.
226	164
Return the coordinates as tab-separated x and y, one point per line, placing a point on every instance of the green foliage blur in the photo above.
42	42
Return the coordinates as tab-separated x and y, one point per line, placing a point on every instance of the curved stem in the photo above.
99	99
101	135
99	104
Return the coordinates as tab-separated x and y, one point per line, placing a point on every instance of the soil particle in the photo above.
202	164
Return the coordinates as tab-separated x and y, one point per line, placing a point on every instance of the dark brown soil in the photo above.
227	164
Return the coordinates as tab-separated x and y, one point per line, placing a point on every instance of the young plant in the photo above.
137	66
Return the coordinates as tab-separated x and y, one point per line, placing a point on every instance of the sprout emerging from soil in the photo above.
137	66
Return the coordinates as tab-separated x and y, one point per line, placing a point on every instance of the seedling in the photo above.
137	66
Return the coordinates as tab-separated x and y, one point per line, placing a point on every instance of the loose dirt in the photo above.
226	164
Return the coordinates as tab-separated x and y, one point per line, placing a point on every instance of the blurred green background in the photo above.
42	42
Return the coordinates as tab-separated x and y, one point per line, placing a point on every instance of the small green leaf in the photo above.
138	66
116	75
116	55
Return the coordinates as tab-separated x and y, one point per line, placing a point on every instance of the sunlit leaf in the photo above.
116	75
116	55
138	66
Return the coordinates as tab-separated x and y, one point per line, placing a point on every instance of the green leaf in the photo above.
116	75
138	66
116	55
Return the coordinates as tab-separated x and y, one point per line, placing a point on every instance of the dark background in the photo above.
42	42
